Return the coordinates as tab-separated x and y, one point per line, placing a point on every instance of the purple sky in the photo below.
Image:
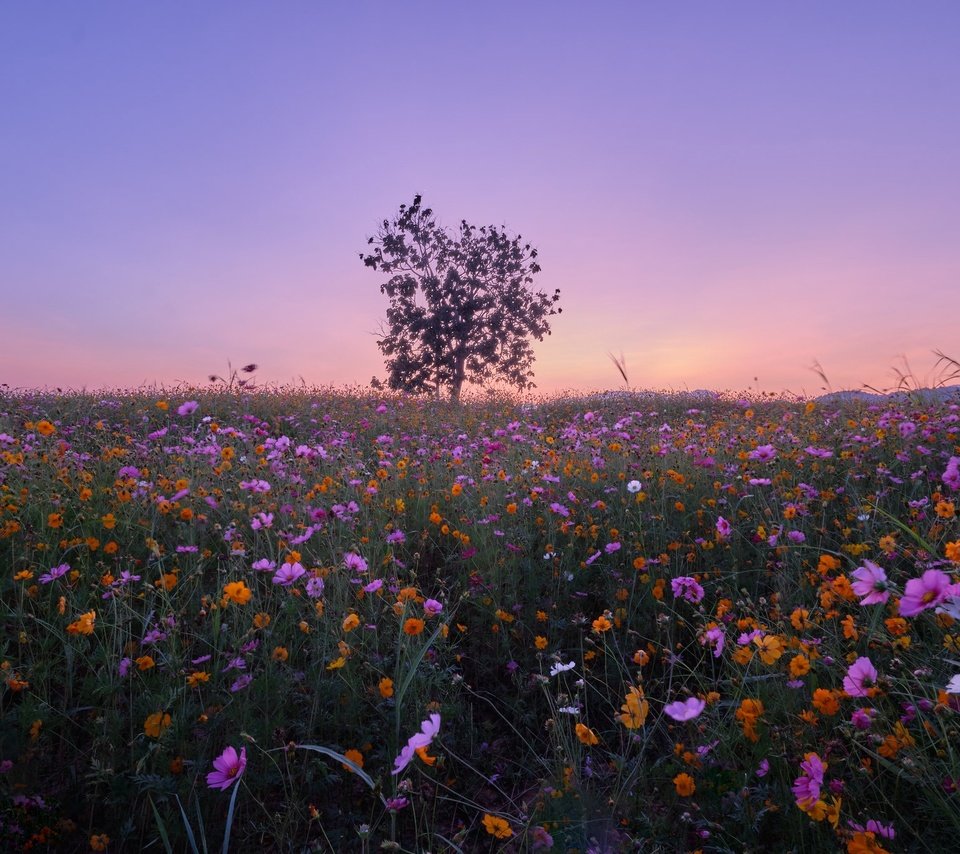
721	191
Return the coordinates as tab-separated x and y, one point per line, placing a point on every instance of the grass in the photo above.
311	575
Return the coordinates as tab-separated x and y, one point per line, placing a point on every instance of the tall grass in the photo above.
312	575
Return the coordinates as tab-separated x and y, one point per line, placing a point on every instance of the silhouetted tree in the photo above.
461	307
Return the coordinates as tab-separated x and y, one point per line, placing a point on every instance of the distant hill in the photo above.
925	395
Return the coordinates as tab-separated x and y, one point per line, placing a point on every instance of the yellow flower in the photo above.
684	785
237	591
155	724
497	827
586	735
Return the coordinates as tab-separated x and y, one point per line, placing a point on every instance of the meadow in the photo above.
343	621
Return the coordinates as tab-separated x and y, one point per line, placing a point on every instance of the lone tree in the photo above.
461	307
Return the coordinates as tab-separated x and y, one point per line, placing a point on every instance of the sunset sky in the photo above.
723	192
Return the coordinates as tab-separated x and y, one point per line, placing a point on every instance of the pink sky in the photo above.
722	192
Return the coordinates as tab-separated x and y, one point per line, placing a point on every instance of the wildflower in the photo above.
602	624
715	638
228	768
748	714
724	528
688	588
953	686
925	592
354	562
45	428
635	709
350	622
586	735
685	710
864	843
684	785
55	573
287	574
84	624
280	654
870	584
770	648
156	723
634	486
497	827
561	668
55	520
237	591
432	607
99	841
355	756
806	788
385	687
413	626
315	587
428	731
187	408
861	676
825	702
862	719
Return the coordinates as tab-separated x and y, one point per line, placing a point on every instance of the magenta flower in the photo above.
688	588
861	676
806	788
288	573
55	573
228	768
723	527
685	710
187	408
715	638
428	731
354	562
432	607
863	718
870	584
928	591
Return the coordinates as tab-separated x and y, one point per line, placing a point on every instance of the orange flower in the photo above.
237	591
945	509
280	653
602	624
84	624
198	677
45	428
635	709
350	622
799	666
355	756
155	724
684	785
144	662
586	735
99	842
497	827
55	520
826	702
540	642
770	647
386	687
413	626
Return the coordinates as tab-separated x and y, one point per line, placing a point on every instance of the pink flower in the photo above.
860	677
685	710
871	584
688	588
432	607
354	562
723	527
763	453
925	592
428	731
863	718
288	573
187	408
228	768
806	788
714	637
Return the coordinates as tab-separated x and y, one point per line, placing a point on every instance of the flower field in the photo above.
332	621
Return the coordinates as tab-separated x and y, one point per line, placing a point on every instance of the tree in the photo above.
462	308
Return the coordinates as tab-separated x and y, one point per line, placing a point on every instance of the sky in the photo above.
724	193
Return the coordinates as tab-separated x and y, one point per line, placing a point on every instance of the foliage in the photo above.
618	623
462	308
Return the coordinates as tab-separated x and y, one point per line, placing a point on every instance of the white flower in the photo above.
634	486
560	668
569	710
953	686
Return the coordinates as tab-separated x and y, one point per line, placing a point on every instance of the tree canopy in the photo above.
462	307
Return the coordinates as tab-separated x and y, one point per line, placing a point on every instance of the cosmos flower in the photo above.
861	676
228	768
928	591
685	710
870	584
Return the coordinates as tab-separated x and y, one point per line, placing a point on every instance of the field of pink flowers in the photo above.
330	621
